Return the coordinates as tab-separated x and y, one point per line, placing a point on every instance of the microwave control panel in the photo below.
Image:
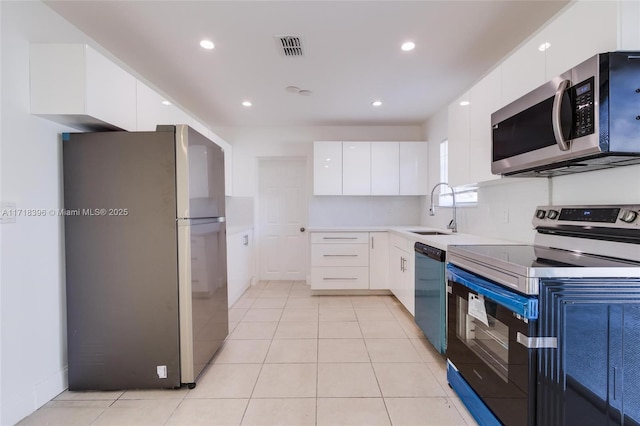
584	111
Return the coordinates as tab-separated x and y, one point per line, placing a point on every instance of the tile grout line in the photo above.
244	413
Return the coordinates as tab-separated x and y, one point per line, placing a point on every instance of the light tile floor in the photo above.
293	359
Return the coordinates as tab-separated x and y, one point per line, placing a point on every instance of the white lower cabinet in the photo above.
349	260
402	271
240	264
379	260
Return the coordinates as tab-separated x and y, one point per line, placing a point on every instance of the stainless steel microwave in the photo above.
587	118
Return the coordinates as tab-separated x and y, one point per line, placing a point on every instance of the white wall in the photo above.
1	198
33	351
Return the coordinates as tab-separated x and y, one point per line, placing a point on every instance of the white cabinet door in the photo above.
385	168
327	168
571	44
484	100
458	129
409	284
401	281
379	260
111	91
402	271
524	70
74	85
151	111
240	265
356	168
228	162
413	168
396	267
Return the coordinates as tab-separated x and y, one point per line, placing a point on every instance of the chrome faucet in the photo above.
453	225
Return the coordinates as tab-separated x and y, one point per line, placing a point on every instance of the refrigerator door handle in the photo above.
200	221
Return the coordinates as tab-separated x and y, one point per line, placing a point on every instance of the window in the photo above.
467	194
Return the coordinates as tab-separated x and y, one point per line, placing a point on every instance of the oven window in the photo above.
489	341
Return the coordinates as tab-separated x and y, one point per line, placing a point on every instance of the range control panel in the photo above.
620	216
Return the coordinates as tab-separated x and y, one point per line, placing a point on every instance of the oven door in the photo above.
484	334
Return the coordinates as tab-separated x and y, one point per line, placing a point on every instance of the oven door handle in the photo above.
525	306
536	342
556	113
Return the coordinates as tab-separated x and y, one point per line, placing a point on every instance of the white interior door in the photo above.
282	213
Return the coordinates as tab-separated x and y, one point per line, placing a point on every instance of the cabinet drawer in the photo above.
339	237
340	278
340	255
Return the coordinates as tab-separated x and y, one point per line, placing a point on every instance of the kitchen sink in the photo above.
429	233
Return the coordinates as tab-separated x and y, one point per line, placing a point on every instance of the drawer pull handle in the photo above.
340	255
339	279
339	238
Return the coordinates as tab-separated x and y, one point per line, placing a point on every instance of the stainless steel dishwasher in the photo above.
430	294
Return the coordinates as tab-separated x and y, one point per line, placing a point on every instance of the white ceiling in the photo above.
351	56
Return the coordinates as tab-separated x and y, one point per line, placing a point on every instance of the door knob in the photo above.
302	229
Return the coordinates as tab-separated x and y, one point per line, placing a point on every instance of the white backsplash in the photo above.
363	211
504	210
612	186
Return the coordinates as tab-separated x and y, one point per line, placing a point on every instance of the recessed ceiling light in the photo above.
304	92
292	89
207	44
544	46
408	45
376	103
464	103
167	103
246	103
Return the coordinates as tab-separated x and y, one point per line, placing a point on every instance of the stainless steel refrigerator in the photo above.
145	248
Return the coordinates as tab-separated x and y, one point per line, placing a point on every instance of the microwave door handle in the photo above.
555	116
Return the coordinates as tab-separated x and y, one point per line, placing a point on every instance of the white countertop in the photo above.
438	241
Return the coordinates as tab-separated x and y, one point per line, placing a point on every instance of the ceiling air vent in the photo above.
290	45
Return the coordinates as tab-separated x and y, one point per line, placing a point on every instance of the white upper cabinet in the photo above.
523	71
379	260
484	99
153	109
458	129
385	168
327	168
356	168
228	162
413	168
74	85
370	168
583	30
